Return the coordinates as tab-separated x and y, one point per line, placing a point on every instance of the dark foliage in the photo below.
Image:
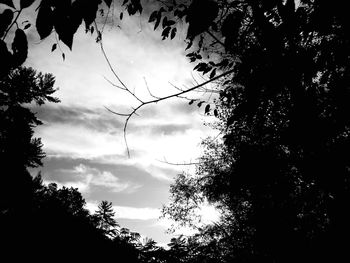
280	175
18	149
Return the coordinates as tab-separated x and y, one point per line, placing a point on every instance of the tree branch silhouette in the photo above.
154	100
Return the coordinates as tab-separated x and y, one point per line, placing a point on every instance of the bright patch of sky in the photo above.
84	142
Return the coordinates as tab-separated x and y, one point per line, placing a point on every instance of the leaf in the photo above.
165	32
202	67
27	26
7	2
44	22
54	46
26	3
88	12
189	44
170	23
200	104
207	109
121	16
125	1
216	113
5	55
164	23
173	33
108	3
191	102
158	21
213	73
153	16
20	47
200	15
63	56
5	20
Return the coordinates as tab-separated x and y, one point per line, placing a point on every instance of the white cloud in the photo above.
127	212
87	177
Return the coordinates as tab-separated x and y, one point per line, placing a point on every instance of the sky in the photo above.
84	142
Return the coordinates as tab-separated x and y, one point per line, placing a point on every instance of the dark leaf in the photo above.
125	1
202	67
44	22
189	44
158	21
108	2
27	26
7	2
92	29
200	104
63	56
170	23
89	11
20	47
191	102
165	32
26	3
213	73
121	16
206	69
216	113
54	46
164	23
173	33
207	109
5	55
153	16
200	15
5	20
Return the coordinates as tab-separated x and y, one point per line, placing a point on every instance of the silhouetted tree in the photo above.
18	149
105	219
280	173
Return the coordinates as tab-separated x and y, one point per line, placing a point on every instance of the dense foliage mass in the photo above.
280	171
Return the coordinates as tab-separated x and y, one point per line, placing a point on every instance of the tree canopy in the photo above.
279	172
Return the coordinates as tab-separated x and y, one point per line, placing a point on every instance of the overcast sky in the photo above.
84	142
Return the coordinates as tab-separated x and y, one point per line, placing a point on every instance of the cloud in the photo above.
85	178
97	119
127	212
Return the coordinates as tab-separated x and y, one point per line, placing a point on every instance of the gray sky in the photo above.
84	142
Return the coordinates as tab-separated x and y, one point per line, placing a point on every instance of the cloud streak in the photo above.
85	178
127	212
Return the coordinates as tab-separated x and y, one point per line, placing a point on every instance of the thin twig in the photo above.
149	91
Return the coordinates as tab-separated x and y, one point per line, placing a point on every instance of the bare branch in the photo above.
117	113
179	164
155	99
149	91
113	84
178	94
